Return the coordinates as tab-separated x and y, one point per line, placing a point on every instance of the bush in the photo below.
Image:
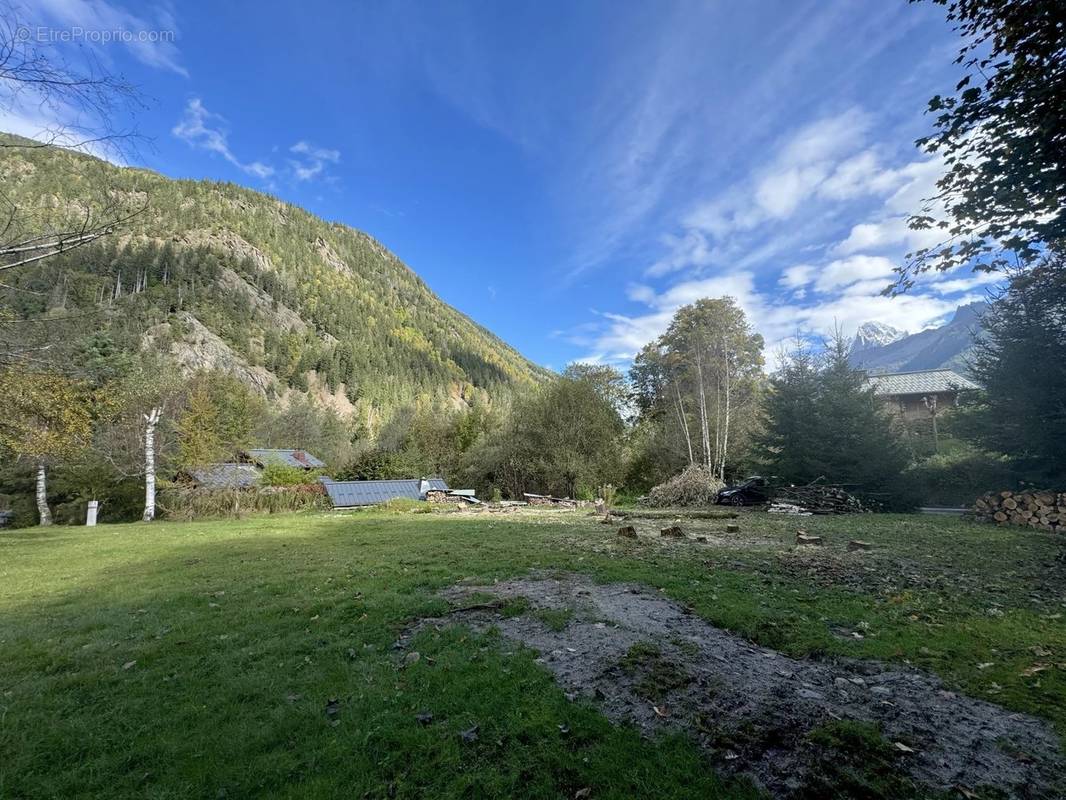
277	474
957	478
180	503
695	486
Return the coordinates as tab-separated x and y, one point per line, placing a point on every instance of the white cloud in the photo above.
206	130
797	277
150	39
847	271
825	162
621	336
201	128
312	160
888	229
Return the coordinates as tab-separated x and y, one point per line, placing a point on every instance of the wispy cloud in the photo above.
149	35
205	130
311	161
200	128
827	199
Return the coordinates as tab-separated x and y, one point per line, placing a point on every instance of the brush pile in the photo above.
1042	510
695	487
819	499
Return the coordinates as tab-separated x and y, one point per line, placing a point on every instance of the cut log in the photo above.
856	544
807	539
1041	510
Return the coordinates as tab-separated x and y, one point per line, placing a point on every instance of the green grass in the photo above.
199	659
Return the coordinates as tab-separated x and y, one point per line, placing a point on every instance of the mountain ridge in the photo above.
263	288
946	347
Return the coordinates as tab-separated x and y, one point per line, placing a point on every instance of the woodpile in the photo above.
1042	510
819	499
548	500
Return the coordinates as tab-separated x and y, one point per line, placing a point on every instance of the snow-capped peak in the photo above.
876	334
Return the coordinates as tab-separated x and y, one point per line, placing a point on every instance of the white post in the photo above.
151	420
90	513
43	511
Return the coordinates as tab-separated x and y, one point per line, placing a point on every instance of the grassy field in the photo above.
254	658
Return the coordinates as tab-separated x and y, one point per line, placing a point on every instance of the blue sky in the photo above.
568	173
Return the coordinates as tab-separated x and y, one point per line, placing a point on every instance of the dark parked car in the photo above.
751	492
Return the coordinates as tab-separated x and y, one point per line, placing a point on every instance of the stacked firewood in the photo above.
1043	510
820	499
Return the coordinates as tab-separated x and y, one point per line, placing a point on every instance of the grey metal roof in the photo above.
346	494
290	458
225	476
926	381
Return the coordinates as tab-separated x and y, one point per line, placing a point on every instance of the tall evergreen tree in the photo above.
789	438
822	422
1021	364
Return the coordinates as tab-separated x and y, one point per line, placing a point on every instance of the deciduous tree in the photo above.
1002	135
46	417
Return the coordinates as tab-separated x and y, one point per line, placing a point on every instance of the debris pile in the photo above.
695	486
818	499
1042	510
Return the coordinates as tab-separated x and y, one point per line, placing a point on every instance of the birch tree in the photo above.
151	419
704	373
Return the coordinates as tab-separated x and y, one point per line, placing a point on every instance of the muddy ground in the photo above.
645	660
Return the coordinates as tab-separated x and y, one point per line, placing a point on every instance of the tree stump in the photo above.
628	531
732	528
673	532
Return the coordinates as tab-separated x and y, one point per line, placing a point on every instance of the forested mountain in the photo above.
216	275
887	349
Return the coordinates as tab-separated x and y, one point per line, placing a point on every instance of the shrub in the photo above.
957	478
181	503
277	474
695	486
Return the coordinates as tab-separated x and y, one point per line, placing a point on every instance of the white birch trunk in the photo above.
684	424
151	420
43	511
728	407
717	419
704	433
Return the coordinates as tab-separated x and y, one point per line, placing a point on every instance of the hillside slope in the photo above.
216	275
946	346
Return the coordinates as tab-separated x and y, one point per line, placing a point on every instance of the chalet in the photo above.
921	395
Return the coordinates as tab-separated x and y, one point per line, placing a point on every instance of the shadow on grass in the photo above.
255	659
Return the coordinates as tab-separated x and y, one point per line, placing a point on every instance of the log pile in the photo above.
819	499
1042	510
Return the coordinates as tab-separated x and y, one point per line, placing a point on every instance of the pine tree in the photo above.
1021	365
823	423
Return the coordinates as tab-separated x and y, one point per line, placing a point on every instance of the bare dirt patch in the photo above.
645	660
